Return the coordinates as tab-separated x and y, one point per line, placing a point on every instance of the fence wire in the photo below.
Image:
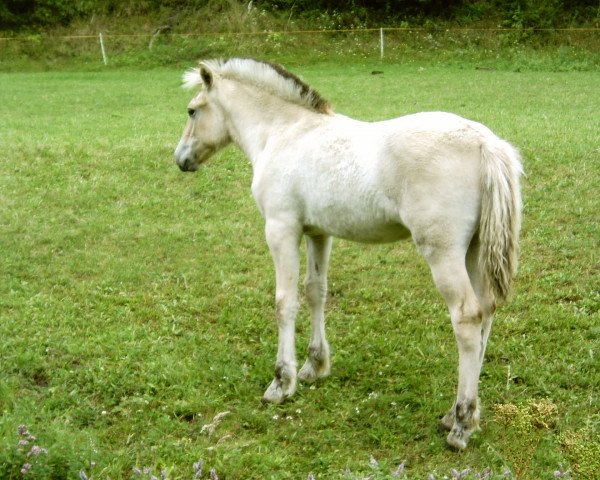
165	46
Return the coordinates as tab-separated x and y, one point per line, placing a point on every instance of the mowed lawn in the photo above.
137	302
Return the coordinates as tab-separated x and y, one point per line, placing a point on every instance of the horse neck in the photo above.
252	115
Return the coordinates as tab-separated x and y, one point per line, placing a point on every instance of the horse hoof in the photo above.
316	366
456	441
277	392
309	374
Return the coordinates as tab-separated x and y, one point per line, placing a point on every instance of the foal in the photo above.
448	182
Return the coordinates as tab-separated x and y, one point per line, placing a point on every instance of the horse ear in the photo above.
206	75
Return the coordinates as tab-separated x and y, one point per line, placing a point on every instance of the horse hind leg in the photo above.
483	292
488	307
452	279
318	364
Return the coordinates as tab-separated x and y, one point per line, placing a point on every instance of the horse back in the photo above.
365	181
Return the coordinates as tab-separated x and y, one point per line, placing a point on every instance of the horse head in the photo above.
205	131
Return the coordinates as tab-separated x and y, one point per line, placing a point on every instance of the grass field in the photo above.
136	302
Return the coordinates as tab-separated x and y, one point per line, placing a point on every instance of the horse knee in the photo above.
315	291
467	317
286	307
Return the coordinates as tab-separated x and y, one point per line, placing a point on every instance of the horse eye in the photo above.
191	112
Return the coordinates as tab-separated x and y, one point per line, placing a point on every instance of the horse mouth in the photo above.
188	165
189	161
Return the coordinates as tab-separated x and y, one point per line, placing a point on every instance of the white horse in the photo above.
448	182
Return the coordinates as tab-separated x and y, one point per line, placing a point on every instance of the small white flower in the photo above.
275	417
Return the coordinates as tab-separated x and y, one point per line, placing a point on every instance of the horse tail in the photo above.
500	219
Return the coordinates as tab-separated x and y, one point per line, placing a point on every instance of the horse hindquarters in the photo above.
473	273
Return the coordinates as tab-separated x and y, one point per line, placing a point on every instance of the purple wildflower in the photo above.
25	468
198	468
562	473
486	474
36	450
399	471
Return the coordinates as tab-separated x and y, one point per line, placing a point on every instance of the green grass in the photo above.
136	302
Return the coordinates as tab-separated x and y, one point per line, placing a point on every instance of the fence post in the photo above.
102	48
381	42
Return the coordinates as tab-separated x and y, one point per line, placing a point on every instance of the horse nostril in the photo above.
185	165
191	112
188	165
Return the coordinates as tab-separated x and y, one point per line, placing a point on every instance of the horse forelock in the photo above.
271	77
191	79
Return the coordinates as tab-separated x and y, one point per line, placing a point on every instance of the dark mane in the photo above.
317	101
273	77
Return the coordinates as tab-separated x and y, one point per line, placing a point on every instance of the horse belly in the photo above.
386	234
356	224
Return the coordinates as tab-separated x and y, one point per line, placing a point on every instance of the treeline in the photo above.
39	14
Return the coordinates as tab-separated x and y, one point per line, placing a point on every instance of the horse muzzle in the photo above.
185	158
187	165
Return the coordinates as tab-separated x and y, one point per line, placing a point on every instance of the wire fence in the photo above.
165	46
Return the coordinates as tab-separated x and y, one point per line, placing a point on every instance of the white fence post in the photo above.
102	48
381	42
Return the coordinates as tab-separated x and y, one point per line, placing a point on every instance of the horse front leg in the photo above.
318	364
283	239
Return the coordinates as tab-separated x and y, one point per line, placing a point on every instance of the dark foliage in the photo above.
35	14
